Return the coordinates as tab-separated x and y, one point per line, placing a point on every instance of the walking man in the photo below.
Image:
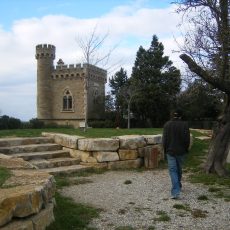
176	139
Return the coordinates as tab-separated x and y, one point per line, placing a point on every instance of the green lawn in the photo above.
91	132
72	216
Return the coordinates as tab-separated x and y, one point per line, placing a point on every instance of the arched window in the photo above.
95	96
67	104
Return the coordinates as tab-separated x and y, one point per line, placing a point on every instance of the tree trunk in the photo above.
220	145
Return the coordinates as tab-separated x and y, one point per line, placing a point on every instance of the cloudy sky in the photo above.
24	24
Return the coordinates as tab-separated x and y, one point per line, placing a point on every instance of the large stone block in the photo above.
69	141
20	202
142	152
19	225
126	164
127	154
31	190
15	163
91	159
152	157
44	218
131	141
78	154
153	139
98	144
106	156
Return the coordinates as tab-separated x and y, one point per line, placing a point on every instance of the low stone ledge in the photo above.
131	141
98	144
19	225
25	193
34	222
153	139
69	141
126	164
103	165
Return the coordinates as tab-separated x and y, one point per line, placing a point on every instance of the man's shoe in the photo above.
175	197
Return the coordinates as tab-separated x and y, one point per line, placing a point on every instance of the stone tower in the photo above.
61	90
45	55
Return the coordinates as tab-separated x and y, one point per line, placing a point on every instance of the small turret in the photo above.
45	55
45	51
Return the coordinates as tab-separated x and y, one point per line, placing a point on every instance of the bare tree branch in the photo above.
221	84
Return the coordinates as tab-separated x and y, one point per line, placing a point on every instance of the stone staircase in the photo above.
43	153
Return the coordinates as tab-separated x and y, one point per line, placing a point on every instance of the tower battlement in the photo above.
80	67
45	50
73	71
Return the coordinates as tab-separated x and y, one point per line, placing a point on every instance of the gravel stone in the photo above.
137	204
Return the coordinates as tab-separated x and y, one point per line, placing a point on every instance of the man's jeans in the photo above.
175	172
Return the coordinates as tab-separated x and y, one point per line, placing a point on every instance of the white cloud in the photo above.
129	27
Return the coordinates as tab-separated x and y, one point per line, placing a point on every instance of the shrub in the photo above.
7	122
36	123
101	124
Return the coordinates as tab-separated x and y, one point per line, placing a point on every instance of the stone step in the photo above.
4	142
30	148
43	155
65	169
55	162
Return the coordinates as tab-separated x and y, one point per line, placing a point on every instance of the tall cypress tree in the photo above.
118	82
158	82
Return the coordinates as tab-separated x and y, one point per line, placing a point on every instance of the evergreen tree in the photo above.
117	83
200	101
158	83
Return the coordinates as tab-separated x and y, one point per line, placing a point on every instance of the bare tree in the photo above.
91	47
128	92
206	52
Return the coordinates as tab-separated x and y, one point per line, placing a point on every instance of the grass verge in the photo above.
162	216
4	175
72	216
76	178
68	214
220	186
92	132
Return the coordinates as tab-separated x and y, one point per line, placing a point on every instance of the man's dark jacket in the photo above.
176	137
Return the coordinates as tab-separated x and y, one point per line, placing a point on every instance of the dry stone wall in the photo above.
26	197
128	151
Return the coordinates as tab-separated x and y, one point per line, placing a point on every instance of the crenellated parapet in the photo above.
95	69
45	51
73	71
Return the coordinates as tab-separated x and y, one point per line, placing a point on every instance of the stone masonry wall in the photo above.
118	152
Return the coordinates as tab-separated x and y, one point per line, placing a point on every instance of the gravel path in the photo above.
138	204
